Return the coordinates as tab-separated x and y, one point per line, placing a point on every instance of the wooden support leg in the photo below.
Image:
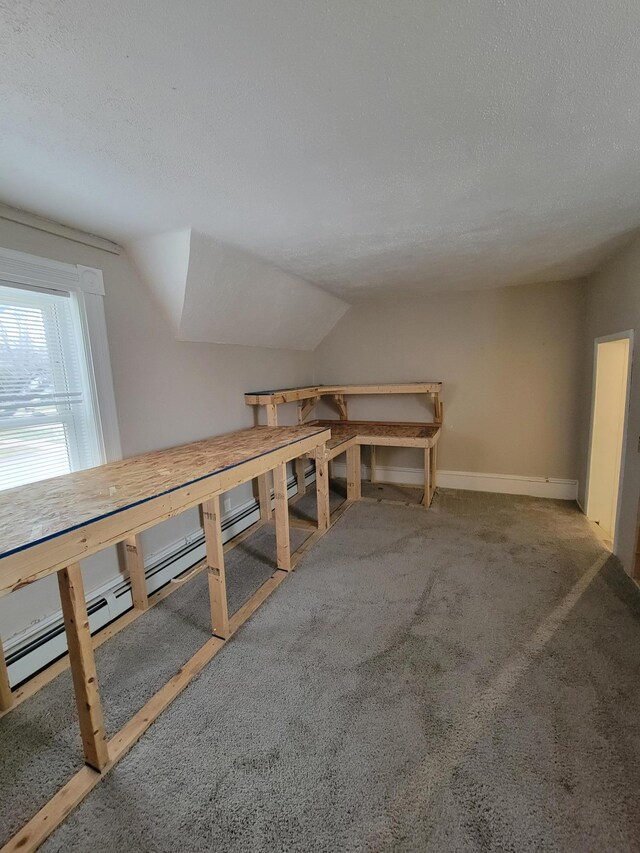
215	567
300	468
135	565
264	496
6	697
283	544
437	408
272	414
373	464
322	488
83	667
434	468
426	498
354	489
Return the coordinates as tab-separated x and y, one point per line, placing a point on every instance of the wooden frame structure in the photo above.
47	527
349	436
308	396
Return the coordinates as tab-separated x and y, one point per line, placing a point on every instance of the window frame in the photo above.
86	286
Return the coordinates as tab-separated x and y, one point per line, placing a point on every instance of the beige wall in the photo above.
167	392
613	305
508	357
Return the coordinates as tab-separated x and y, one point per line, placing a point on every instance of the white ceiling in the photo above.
374	148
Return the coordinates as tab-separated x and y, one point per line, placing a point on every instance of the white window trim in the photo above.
88	286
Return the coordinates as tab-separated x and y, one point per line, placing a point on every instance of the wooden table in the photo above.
353	434
308	396
48	526
349	436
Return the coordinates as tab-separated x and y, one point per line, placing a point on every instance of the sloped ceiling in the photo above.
210	292
372	148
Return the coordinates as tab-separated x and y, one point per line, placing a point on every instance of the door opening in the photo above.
611	385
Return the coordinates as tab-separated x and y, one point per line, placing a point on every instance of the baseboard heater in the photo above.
40	645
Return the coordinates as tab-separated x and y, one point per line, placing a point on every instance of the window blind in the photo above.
47	421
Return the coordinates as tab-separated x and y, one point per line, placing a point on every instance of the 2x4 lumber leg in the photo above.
300	475
6	696
426	498
322	488
264	496
354	488
215	567
283	544
373	464
434	468
135	565
83	667
272	414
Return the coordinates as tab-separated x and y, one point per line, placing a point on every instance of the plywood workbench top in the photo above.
373	432
39	511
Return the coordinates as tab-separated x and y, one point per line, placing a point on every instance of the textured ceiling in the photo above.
374	148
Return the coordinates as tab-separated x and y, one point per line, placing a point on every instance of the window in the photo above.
52	411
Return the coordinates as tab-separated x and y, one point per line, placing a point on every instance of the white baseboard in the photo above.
507	484
44	641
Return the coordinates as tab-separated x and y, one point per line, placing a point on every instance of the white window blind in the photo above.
47	414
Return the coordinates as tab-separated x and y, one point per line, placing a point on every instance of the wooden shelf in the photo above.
391	433
292	395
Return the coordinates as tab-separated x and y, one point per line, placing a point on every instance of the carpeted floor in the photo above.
466	678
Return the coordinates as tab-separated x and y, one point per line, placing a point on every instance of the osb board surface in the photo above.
342	430
339	437
271	391
40	511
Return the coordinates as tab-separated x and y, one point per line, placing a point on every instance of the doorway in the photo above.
611	385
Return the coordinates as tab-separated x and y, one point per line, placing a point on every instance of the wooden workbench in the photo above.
308	396
49	526
348	436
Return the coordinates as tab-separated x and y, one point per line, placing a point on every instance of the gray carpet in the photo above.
442	680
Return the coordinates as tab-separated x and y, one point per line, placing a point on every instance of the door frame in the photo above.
617	336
